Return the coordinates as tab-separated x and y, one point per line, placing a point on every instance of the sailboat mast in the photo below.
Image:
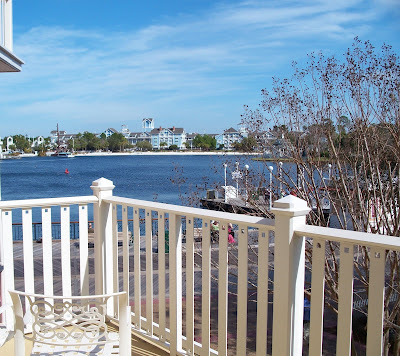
58	139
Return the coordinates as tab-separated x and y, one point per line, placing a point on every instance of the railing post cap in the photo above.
290	203
102	184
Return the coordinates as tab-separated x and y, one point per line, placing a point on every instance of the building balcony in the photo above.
190	291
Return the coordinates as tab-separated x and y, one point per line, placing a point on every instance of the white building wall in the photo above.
10	142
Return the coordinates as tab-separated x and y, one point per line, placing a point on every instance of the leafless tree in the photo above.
335	125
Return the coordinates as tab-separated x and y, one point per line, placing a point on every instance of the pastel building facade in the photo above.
229	137
136	137
169	136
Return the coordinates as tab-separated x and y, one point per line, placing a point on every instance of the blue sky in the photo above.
92	64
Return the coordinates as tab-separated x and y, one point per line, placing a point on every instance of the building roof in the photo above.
174	130
231	130
139	134
54	132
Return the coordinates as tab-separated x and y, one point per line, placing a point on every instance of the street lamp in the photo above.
270	168
225	188
280	179
246	167
237	178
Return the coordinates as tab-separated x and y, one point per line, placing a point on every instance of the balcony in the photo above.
9	62
189	294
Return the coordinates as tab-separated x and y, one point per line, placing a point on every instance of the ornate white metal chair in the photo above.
71	325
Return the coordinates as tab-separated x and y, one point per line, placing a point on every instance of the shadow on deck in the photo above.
140	347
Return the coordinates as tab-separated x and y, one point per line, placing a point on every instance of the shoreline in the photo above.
166	153
151	153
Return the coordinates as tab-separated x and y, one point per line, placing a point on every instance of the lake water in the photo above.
135	176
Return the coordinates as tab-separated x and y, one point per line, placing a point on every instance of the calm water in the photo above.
139	177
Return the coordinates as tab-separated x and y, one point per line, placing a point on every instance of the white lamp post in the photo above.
237	179
280	179
246	167
270	168
225	166
329	171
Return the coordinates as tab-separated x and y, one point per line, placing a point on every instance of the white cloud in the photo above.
214	62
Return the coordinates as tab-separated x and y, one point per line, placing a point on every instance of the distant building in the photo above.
61	138
125	131
8	141
147	124
229	137
171	136
37	142
136	137
265	137
189	139
109	132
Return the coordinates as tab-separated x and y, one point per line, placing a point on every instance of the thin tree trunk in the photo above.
396	348
386	344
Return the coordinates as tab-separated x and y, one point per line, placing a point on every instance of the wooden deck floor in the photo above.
139	348
75	268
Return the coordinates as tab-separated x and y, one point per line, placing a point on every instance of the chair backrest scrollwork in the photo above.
73	321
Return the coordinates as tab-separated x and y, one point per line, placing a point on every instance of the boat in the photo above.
257	201
9	156
63	154
59	152
231	200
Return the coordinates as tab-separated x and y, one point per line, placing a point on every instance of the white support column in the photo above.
8	28
287	334
102	216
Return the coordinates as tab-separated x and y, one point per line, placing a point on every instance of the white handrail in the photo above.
46	202
201	213
347	236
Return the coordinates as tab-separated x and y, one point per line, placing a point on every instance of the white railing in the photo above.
44	283
166	288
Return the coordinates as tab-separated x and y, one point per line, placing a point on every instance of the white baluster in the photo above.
317	297
262	292
84	249
223	289
47	244
345	308
175	285
136	263
376	296
241	341
161	273
65	250
149	271
190	284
